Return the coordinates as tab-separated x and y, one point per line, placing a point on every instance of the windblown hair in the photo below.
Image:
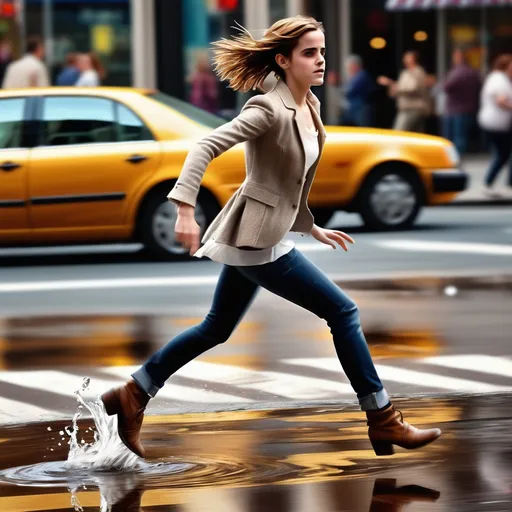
245	62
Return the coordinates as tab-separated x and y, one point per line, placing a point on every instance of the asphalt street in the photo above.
267	421
446	242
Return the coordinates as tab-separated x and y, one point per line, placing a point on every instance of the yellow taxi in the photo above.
94	165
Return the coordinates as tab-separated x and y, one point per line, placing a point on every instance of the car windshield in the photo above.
194	113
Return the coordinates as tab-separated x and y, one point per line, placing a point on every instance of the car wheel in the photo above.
322	216
158	220
390	198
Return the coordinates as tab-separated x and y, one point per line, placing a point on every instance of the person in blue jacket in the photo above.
357	94
70	74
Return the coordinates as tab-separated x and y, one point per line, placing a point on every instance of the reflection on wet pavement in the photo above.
292	460
406	318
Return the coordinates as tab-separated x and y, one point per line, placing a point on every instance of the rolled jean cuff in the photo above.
374	401
145	382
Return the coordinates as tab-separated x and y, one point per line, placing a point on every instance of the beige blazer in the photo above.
272	200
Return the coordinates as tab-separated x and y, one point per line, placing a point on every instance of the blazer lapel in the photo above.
289	102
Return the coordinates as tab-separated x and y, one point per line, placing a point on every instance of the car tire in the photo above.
158	219
322	216
391	198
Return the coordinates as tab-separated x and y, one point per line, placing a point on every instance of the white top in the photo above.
491	116
28	71
223	253
89	78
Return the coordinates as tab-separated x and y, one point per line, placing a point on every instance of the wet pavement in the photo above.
293	460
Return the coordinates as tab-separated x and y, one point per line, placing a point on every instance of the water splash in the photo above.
107	452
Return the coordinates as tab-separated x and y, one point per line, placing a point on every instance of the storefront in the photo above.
185	29
99	26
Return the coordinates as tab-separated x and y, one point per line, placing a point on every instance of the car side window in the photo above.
130	126
11	122
78	120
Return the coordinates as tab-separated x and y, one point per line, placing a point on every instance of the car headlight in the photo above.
453	155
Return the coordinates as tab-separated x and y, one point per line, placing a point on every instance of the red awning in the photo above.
399	5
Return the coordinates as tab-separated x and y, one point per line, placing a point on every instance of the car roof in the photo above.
78	91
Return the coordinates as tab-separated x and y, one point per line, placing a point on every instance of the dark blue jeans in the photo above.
501	145
457	128
296	279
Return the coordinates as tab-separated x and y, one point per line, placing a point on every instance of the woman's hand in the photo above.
187	229
331	237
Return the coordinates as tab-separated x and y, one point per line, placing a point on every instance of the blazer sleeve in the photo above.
255	119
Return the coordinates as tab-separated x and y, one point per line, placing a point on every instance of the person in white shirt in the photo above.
29	71
495	118
91	71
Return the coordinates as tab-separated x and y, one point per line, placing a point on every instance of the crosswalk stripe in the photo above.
481	363
65	384
15	411
404	376
181	393
285	385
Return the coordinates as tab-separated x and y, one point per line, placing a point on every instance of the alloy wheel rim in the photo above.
393	199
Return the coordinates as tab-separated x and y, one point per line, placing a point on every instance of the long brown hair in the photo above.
245	62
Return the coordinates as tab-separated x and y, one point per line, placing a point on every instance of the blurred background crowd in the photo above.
435	66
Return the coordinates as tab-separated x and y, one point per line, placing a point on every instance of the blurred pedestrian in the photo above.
357	94
495	117
204	87
462	88
70	73
414	103
284	137
30	70
5	56
91	70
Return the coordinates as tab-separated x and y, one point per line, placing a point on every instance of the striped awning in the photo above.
402	5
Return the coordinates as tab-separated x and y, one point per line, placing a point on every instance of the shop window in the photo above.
464	31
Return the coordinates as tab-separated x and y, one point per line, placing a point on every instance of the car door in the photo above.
94	153
14	159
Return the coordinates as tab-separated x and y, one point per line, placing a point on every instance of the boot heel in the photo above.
111	402
382	448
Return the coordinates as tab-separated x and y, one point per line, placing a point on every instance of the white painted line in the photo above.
474	362
211	280
12	411
395	374
178	392
95	284
451	247
65	385
295	387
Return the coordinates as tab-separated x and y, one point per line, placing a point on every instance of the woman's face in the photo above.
84	63
306	64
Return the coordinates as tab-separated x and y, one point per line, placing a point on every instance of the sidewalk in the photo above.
476	167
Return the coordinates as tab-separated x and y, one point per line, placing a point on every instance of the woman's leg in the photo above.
501	146
300	281
233	295
296	279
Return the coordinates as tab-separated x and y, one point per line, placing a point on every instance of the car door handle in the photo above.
9	166
136	159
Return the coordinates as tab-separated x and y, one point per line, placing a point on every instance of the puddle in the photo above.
273	460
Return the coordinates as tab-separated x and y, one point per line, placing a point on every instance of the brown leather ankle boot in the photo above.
387	427
128	402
